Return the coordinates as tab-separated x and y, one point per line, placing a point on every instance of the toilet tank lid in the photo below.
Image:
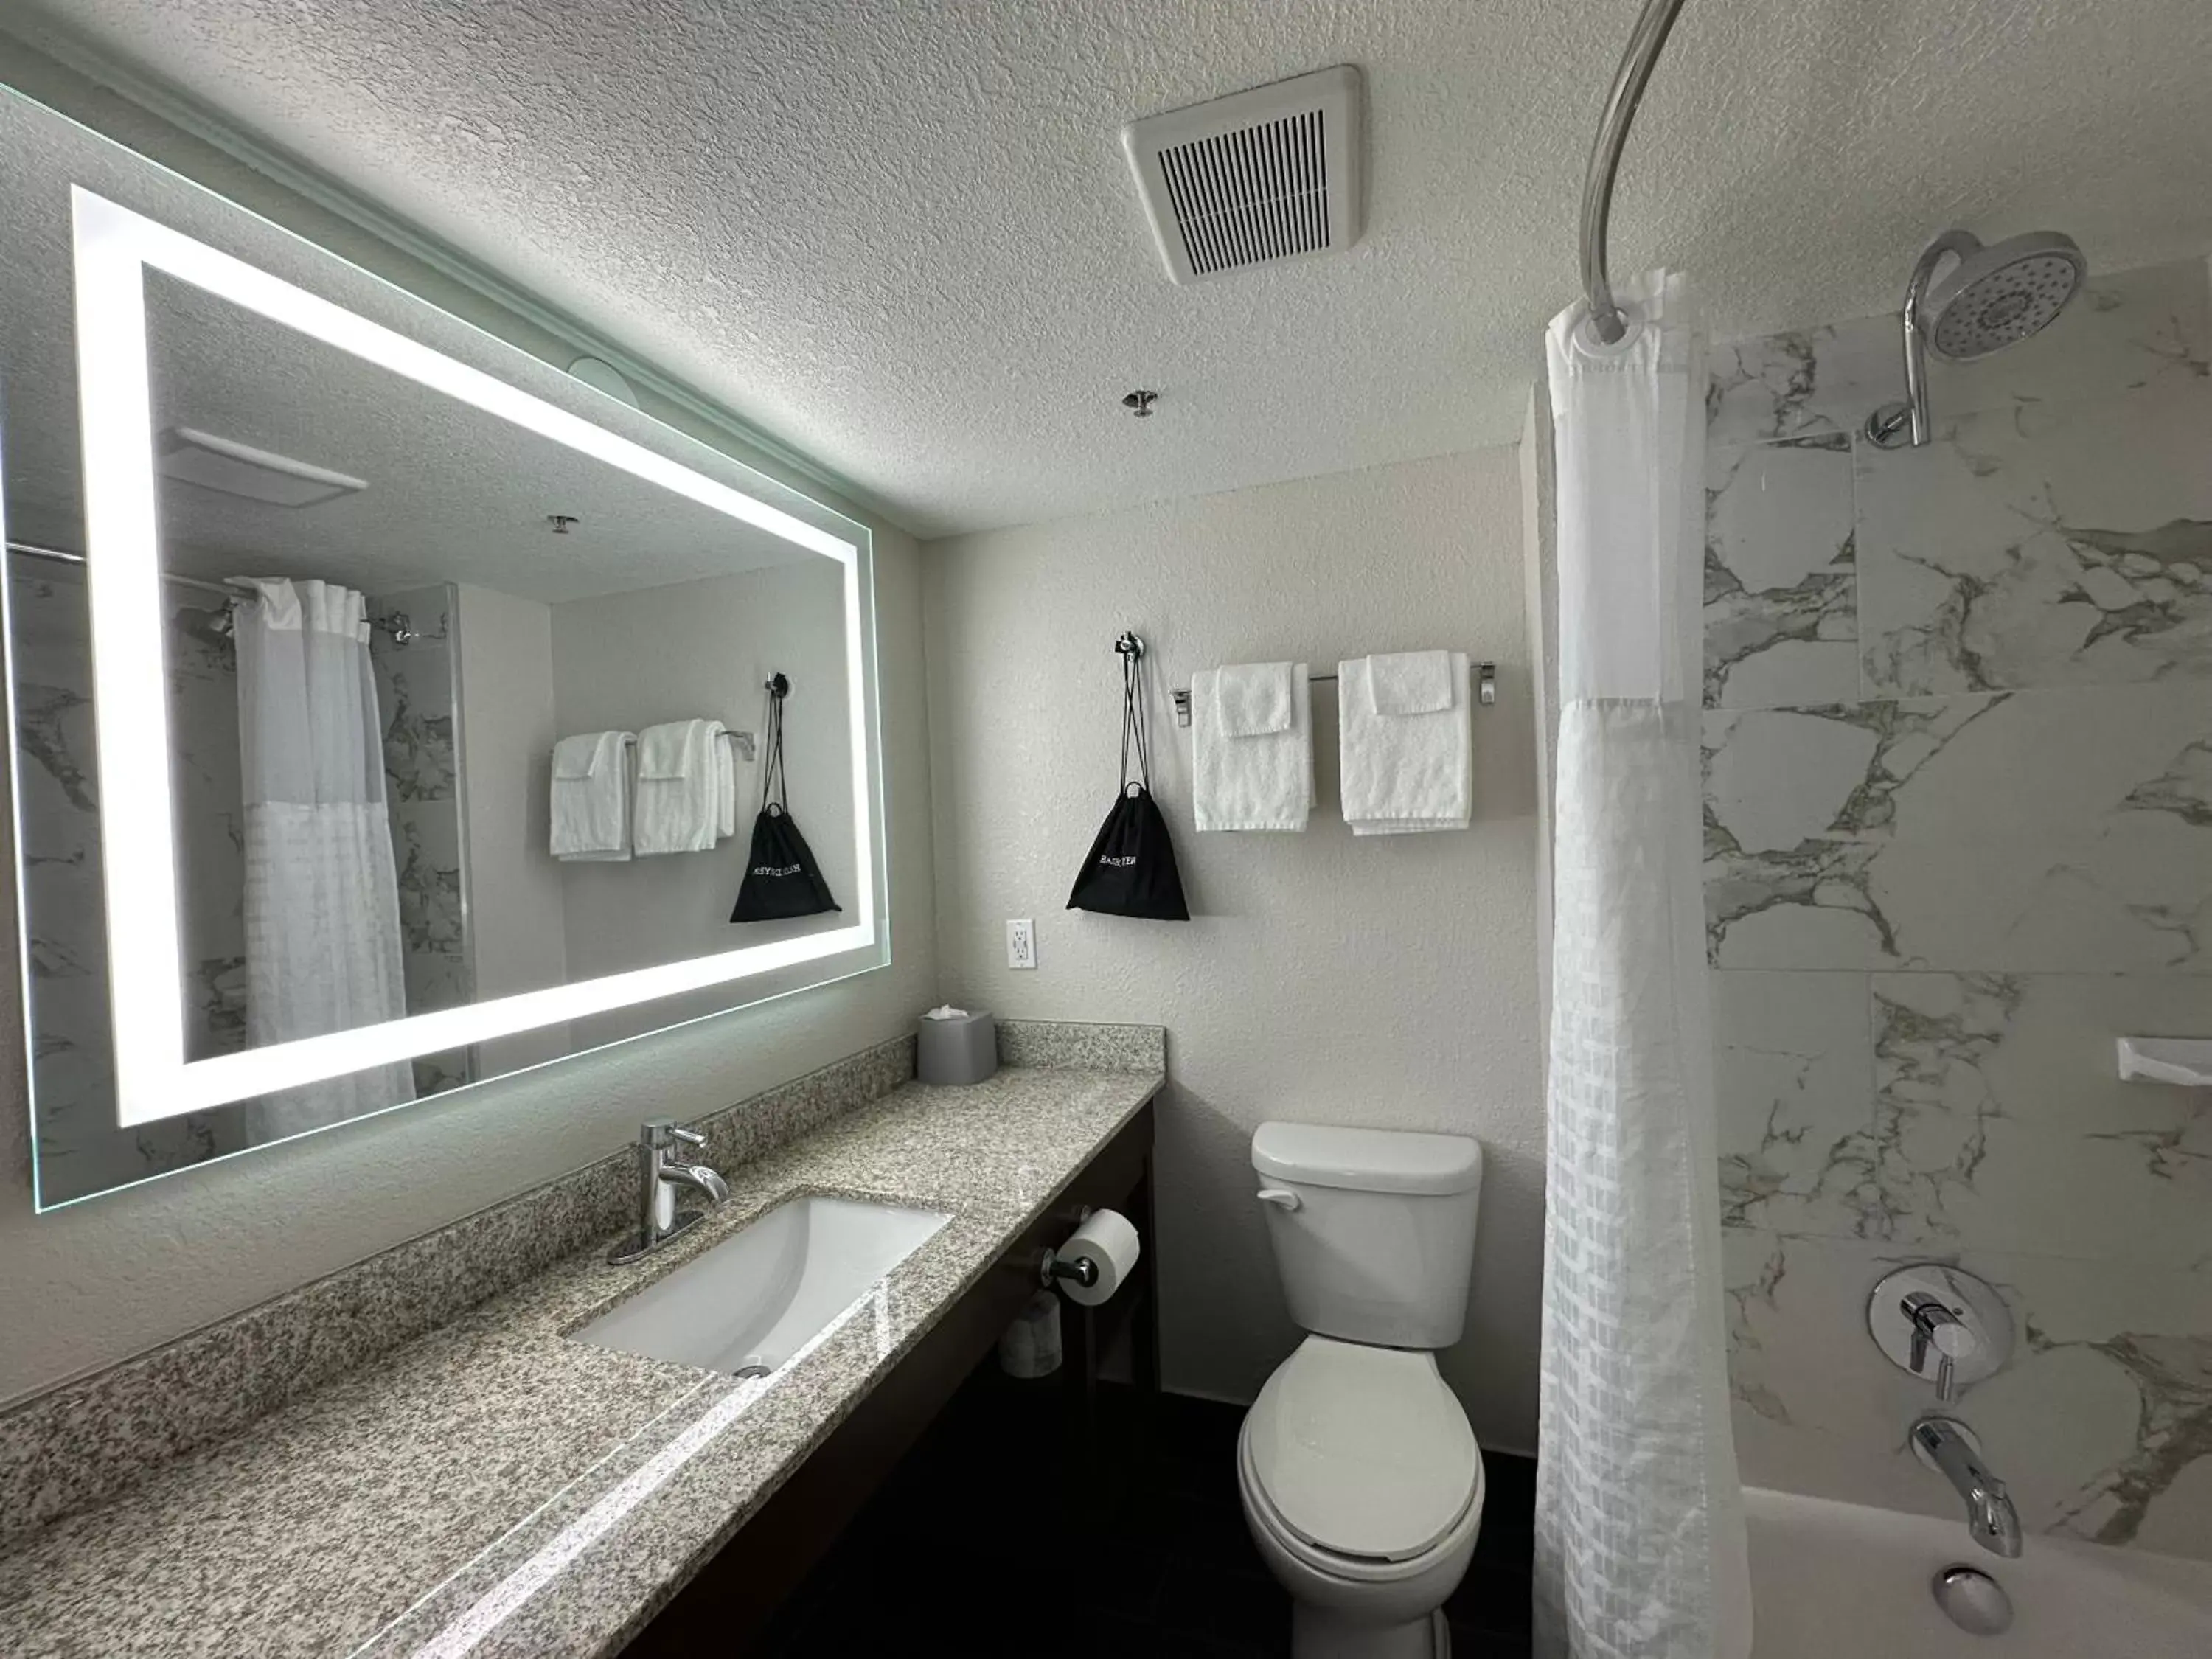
1367	1160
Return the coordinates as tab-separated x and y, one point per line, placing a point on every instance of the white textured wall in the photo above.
1387	982
91	1285
515	925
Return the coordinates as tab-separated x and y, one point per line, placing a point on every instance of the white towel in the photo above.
1412	681
1406	771
1255	699
1252	746
591	798
677	811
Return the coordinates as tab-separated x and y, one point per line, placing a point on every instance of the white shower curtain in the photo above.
322	896
1639	1525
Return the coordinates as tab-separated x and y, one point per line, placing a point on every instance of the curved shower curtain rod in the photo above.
1629	80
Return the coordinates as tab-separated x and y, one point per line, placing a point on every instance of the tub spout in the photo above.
1990	1516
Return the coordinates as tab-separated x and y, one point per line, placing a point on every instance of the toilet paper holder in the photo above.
1094	1260
1051	1266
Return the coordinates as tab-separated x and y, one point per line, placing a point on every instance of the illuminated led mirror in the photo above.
295	640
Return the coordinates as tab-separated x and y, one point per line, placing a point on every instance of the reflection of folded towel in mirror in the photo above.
726	783
679	787
591	797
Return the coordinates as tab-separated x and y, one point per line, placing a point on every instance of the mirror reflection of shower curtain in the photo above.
322	895
1639	1528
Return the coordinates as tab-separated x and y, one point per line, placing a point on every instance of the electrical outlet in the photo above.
1021	943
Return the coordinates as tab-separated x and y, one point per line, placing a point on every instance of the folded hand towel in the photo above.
1254	698
591	797
1410	771
1249	769
676	809
1412	681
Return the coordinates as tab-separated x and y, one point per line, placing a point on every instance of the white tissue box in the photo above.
964	1049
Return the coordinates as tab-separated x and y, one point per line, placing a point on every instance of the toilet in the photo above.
1362	1481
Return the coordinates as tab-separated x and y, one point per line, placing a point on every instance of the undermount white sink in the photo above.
749	1304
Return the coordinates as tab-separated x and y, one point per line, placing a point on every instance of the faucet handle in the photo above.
658	1134
1953	1343
1943	1325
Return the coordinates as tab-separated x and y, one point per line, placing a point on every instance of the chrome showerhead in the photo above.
1997	296
1988	298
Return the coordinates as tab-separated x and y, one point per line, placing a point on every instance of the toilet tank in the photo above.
1373	1229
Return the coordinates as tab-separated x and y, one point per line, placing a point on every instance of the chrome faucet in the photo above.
658	1139
1990	1517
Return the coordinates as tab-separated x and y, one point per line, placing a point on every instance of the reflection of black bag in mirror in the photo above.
1131	870
781	877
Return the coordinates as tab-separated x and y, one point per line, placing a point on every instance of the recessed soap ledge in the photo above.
433	1371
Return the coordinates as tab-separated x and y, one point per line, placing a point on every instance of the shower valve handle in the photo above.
1937	1326
1941	1324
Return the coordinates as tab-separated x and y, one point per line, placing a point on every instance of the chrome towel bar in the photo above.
1485	689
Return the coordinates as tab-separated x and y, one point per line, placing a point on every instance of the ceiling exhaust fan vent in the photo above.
1271	174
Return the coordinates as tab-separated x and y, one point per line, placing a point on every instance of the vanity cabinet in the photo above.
732	1598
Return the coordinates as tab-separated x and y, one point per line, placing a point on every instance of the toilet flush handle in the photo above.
1281	1197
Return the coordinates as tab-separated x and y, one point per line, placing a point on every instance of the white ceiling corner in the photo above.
904	241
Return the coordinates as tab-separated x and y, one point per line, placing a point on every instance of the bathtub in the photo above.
1837	1581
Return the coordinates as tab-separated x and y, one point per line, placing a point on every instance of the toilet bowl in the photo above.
1363	1491
1361	1480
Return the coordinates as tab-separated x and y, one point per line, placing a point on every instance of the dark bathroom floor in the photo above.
966	1549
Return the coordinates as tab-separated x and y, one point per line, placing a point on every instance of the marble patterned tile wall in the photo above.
80	1149
1959	838
417	696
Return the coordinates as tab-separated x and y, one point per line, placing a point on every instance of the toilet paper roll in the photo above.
1108	1243
1029	1346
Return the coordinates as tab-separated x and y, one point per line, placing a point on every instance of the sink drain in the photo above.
1973	1600
754	1369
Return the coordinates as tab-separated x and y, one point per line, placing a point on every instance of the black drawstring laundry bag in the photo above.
1131	868
781	878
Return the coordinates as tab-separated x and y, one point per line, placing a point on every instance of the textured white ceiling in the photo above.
903	238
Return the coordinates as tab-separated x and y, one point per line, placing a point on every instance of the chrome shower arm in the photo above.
1645	44
1896	424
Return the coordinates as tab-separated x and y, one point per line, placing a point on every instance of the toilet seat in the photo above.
1360	1458
1354	1572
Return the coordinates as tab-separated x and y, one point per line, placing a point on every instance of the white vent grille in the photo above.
1258	193
1263	176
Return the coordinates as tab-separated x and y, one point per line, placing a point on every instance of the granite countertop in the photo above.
493	1488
